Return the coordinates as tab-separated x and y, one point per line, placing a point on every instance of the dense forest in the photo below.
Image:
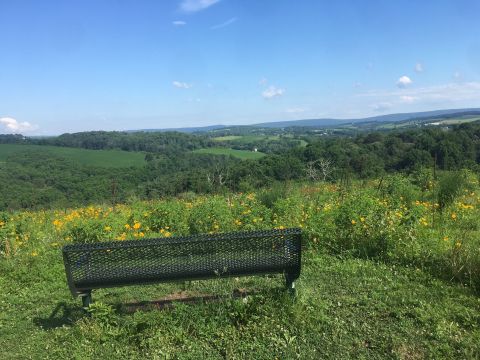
41	179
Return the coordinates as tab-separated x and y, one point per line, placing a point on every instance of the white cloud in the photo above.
381	107
419	67
179	23
181	85
196	5
272	91
457	76
263	81
14	126
408	99
225	23
296	110
404	81
451	95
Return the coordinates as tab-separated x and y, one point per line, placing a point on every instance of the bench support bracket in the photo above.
86	298
290	283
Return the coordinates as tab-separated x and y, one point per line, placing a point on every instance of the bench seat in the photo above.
120	263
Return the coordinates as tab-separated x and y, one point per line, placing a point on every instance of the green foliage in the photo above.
86	231
449	188
210	216
169	215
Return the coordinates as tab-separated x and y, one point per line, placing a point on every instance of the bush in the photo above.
450	187
169	216
212	216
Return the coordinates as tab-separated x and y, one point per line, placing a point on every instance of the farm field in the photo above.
101	158
241	154
390	270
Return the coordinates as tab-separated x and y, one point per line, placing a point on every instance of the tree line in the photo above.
36	179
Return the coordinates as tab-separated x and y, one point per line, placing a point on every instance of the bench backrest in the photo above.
118	263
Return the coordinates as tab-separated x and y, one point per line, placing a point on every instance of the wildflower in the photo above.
362	219
445	238
137	225
34	253
127	226
353	222
238	222
107	228
458	244
453	216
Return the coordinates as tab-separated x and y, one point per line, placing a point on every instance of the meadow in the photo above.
241	154
391	270
100	158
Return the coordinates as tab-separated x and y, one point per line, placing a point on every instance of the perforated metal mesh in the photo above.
108	264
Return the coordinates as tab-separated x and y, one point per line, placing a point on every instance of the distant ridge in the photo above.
380	118
328	122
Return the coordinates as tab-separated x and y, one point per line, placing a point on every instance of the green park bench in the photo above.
134	262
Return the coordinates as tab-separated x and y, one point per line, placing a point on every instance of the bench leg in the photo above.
290	284
86	299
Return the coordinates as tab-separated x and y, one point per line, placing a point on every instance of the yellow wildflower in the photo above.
453	216
353	222
137	225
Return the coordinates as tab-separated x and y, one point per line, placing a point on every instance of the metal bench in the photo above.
119	263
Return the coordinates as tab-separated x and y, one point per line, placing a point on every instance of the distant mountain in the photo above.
330	122
380	118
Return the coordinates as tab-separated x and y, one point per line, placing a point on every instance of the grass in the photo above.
227	138
380	279
244	139
101	158
241	154
346	308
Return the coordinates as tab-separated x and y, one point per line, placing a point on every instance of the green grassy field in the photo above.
227	138
102	158
241	154
385	275
247	138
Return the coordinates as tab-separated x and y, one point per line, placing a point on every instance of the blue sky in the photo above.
68	66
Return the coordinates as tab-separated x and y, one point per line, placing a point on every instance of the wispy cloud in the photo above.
404	81
179	23
381	107
13	126
295	110
408	99
419	67
225	23
459	94
181	85
196	5
263	81
272	91
457	76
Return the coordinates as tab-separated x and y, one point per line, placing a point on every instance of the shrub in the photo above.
211	216
169	216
